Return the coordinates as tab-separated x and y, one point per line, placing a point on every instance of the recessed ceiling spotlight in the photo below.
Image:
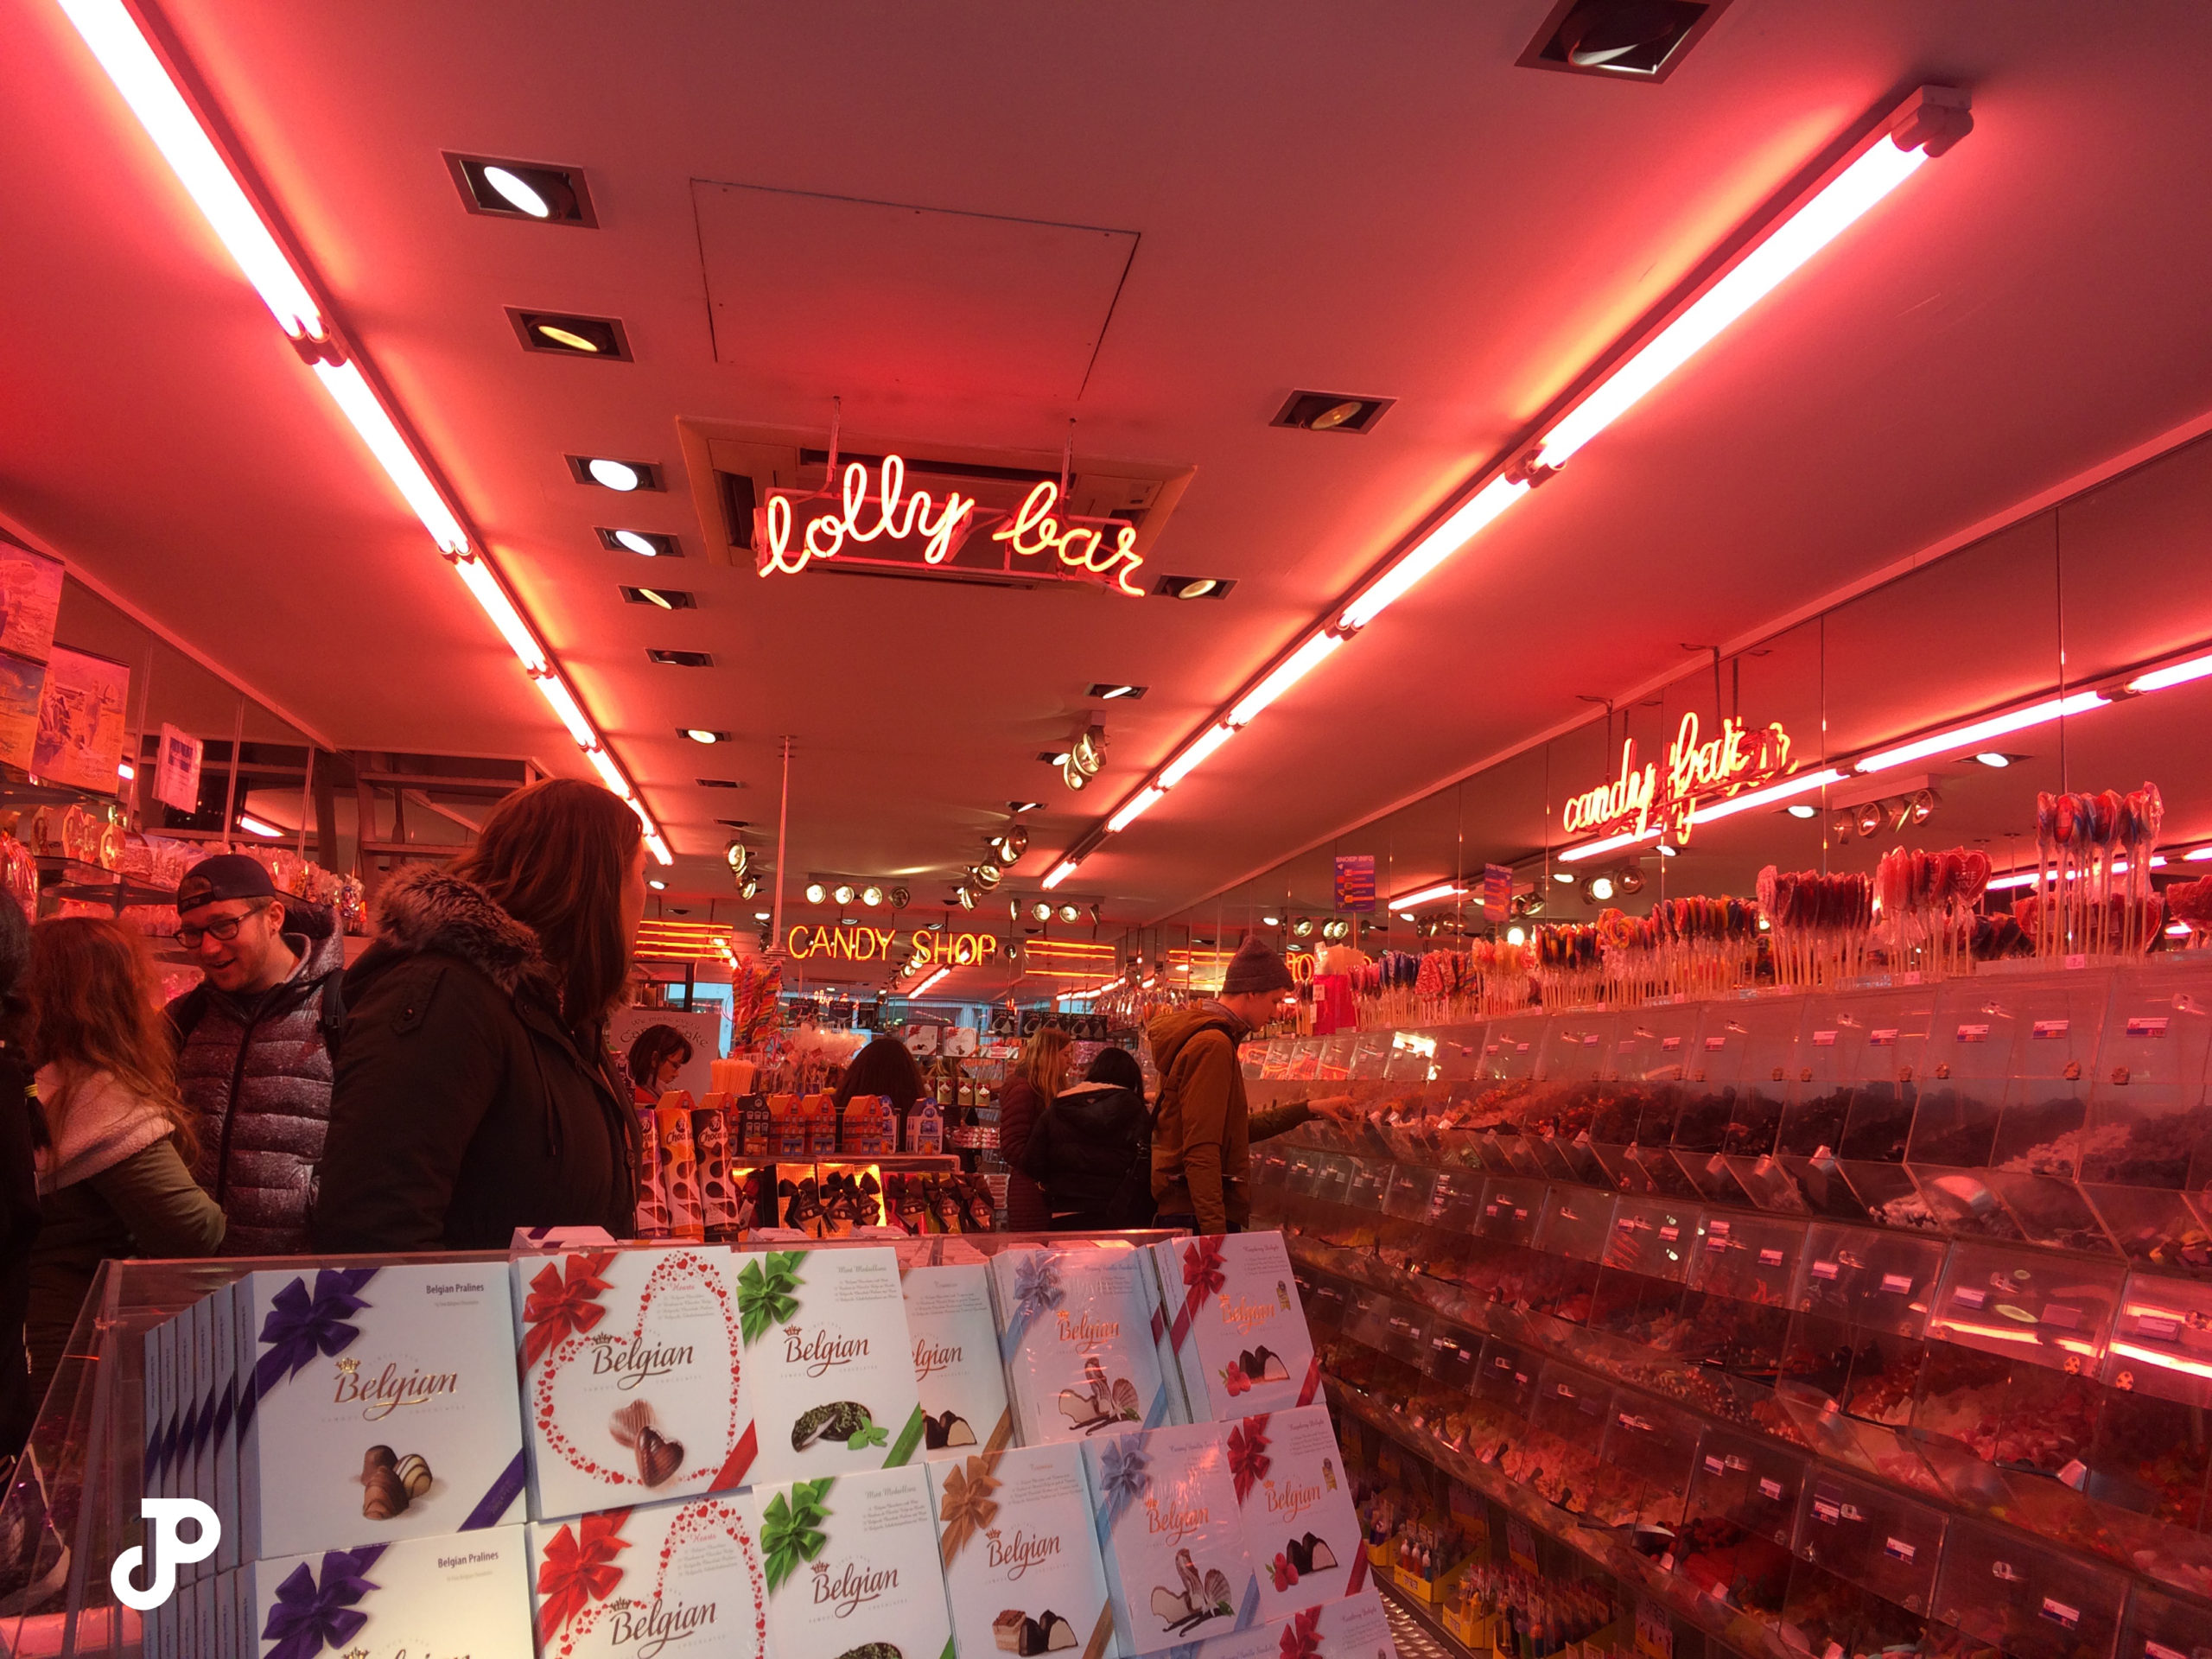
816	892
547	192
1053	757
1992	758
665	599
1564	878
763	916
646	544
1803	810
561	334
1107	691
1666	851
1193	587
1330	411
1023	806
610	473
720	783
1641	40
658	885
1271	921
680	659
703	734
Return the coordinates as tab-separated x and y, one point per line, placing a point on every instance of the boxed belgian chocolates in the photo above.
1020	1549
466	1594
1178	1566
1356	1627
1233	1329
828	1375
1077	1341
673	1579
382	1405
957	1369
851	1566
1296	1503
630	1375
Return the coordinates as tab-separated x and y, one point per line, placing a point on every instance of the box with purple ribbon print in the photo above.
414	1597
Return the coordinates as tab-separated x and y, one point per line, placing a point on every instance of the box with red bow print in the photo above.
1354	1628
375	1404
1297	1509
1020	1553
1178	1568
630	1376
468	1594
1232	1327
672	1579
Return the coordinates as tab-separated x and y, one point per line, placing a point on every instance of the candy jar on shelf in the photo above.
2151	1457
1865	1573
1739	1520
1888	1086
1645	1269
2029	1601
1571	1239
1651	1056
2148	1144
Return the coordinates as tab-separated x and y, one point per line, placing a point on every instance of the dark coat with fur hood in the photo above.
462	1108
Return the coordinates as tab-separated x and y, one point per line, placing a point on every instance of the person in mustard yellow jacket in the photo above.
1202	1141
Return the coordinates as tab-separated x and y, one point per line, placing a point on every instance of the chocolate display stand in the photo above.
74	1505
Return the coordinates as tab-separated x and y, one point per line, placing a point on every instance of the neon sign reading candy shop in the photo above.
893	517
866	943
1698	770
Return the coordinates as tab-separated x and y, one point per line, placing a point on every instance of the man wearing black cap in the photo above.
1204	1128
254	1046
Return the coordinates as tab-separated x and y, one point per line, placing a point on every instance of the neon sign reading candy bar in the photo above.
1697	771
894	517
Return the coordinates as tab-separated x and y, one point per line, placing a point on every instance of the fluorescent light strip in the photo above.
358	405
137	73
1061	871
1968	737
254	826
2029	877
1441	890
1773	792
1803	234
1195	756
123	51
940	973
1793	239
1135	808
1610	843
1293	669
2174	674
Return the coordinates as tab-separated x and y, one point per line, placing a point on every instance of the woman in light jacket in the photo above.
116	1143
1031	1083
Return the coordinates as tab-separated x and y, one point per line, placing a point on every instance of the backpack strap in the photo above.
333	1016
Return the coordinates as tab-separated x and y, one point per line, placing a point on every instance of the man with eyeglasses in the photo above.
255	1042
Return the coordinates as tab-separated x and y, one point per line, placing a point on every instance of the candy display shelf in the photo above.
1926	1253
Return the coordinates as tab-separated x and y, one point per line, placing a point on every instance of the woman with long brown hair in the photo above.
115	1140
1031	1081
474	1092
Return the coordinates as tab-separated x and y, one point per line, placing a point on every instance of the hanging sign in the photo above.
1356	881
1498	893
176	773
894	526
866	943
1699	771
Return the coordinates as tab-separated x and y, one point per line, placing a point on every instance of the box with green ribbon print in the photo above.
852	1568
827	1371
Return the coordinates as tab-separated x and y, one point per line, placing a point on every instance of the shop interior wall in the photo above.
2102	581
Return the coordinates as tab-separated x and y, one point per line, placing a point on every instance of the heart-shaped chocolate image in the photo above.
658	1458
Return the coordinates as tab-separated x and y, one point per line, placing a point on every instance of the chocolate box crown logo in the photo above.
852	1587
1086	1333
1019	1554
1243	1313
1290	1500
825	1349
633	1362
380	1395
650	1626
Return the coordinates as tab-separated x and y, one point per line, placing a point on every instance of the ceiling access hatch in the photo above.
737	471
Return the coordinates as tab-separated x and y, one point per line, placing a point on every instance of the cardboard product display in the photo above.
1019	1550
1178	1567
712	1143
852	1567
631	1376
956	1368
1076	1338
1354	1627
384	1405
1232	1325
679	1166
828	1373
406	1599
1297	1509
684	1579
653	1214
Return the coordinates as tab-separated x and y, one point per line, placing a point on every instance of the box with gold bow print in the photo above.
1297	1509
1233	1331
1020	1549
828	1367
630	1376
465	1594
852	1569
682	1580
376	1403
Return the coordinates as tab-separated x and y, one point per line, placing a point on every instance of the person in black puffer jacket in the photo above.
475	1093
254	1042
1089	1143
